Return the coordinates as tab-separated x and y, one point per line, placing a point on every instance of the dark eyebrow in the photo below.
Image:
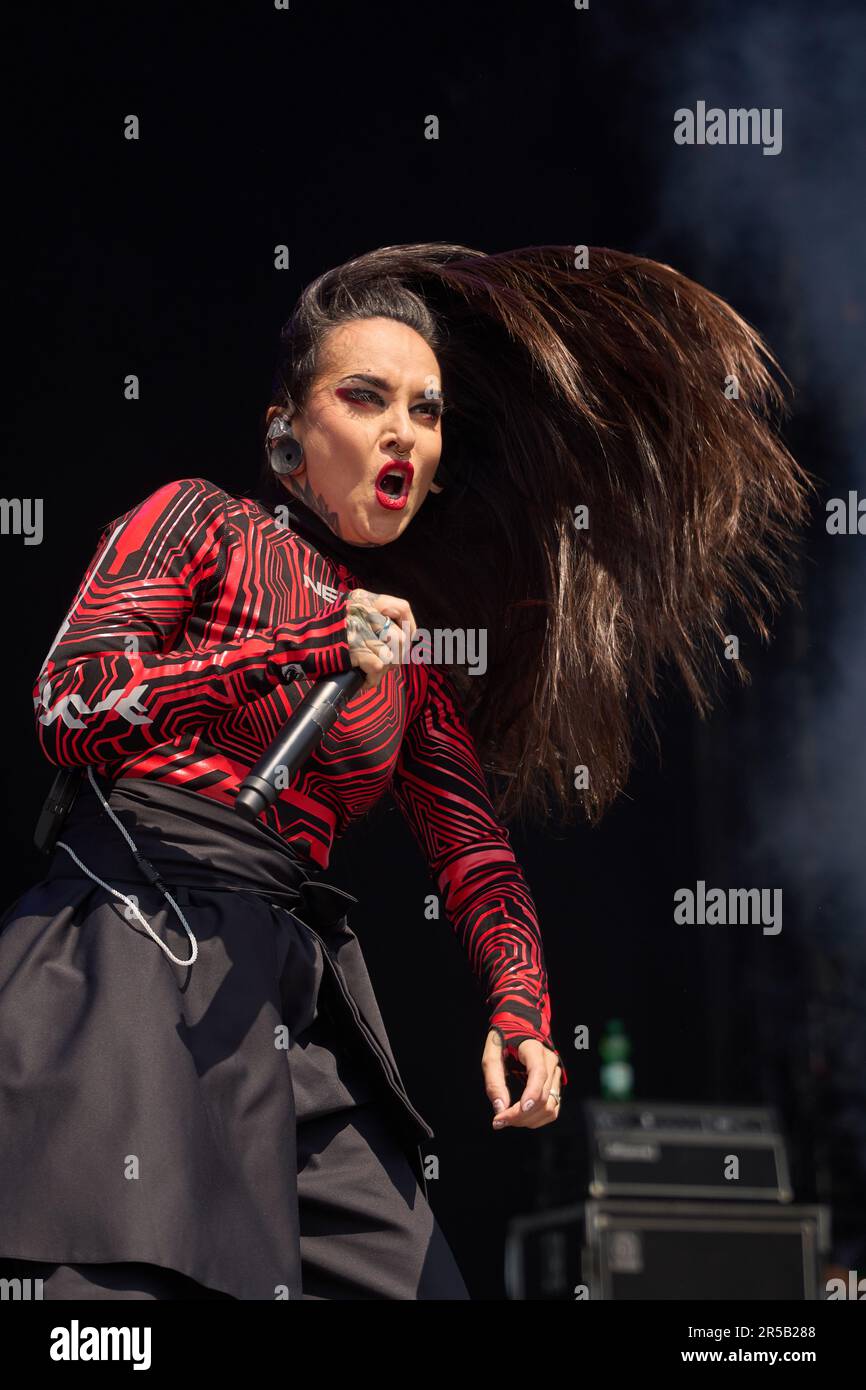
382	383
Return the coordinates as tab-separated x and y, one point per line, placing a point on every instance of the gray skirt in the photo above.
147	1108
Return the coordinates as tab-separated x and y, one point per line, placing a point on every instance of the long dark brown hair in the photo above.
622	387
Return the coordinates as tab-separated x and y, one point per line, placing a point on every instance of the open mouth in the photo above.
393	484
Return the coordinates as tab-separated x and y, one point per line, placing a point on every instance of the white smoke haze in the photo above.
783	239
789	233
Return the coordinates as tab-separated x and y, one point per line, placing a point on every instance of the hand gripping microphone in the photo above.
302	732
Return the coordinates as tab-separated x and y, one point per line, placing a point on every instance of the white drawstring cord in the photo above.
132	905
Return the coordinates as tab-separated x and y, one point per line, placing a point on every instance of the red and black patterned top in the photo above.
200	624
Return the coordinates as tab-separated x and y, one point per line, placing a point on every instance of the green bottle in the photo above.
617	1074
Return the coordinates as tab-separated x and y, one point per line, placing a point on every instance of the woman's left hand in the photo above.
543	1077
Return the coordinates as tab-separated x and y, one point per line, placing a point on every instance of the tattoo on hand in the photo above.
364	621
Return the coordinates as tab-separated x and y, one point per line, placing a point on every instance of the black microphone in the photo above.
302	732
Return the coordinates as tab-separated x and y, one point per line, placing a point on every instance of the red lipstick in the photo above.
393	484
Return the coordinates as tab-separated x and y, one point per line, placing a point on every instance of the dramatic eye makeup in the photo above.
362	395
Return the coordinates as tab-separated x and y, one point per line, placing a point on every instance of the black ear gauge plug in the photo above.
285	454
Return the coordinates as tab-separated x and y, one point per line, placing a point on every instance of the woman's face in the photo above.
371	448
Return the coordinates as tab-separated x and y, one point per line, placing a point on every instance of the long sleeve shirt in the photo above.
198	627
